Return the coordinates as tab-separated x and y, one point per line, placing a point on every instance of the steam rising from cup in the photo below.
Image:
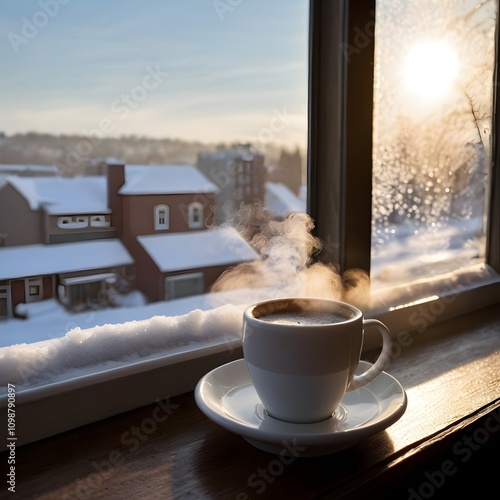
287	266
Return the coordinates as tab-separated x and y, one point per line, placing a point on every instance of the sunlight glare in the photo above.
431	69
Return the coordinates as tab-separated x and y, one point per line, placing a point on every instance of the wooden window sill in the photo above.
451	374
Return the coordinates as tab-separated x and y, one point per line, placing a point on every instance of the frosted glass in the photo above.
433	101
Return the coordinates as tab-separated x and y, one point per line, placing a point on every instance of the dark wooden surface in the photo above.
449	434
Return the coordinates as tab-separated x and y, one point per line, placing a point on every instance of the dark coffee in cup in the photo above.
297	312
302	318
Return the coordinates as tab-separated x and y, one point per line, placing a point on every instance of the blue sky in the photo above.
212	70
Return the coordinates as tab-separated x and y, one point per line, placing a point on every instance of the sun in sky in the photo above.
431	70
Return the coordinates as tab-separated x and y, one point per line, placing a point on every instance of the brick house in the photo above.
164	215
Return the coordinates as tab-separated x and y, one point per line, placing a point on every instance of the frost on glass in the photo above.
434	67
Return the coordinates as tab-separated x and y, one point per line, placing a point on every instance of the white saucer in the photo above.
226	396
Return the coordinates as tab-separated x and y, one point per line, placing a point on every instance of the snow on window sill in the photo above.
446	285
93	375
107	344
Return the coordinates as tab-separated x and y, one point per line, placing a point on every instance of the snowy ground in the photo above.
408	253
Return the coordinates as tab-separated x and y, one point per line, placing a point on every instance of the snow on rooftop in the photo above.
36	260
213	247
280	199
63	196
165	179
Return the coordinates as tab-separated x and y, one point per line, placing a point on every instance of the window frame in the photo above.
334	203
161	226
72	222
99	221
195	215
341	58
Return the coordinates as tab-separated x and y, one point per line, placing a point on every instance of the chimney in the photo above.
116	179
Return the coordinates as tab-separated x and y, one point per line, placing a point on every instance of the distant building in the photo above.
287	170
239	174
72	238
96	166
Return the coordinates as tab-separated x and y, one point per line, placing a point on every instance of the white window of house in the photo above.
183	285
33	289
99	221
73	222
195	215
63	222
161	217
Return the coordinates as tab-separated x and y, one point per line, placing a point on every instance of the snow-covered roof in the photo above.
78	195
38	260
213	247
88	194
165	179
279	198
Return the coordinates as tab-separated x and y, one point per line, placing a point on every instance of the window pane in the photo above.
150	83
433	101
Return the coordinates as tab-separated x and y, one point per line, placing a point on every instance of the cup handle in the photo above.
382	361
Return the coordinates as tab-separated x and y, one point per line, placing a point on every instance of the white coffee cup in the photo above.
302	355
